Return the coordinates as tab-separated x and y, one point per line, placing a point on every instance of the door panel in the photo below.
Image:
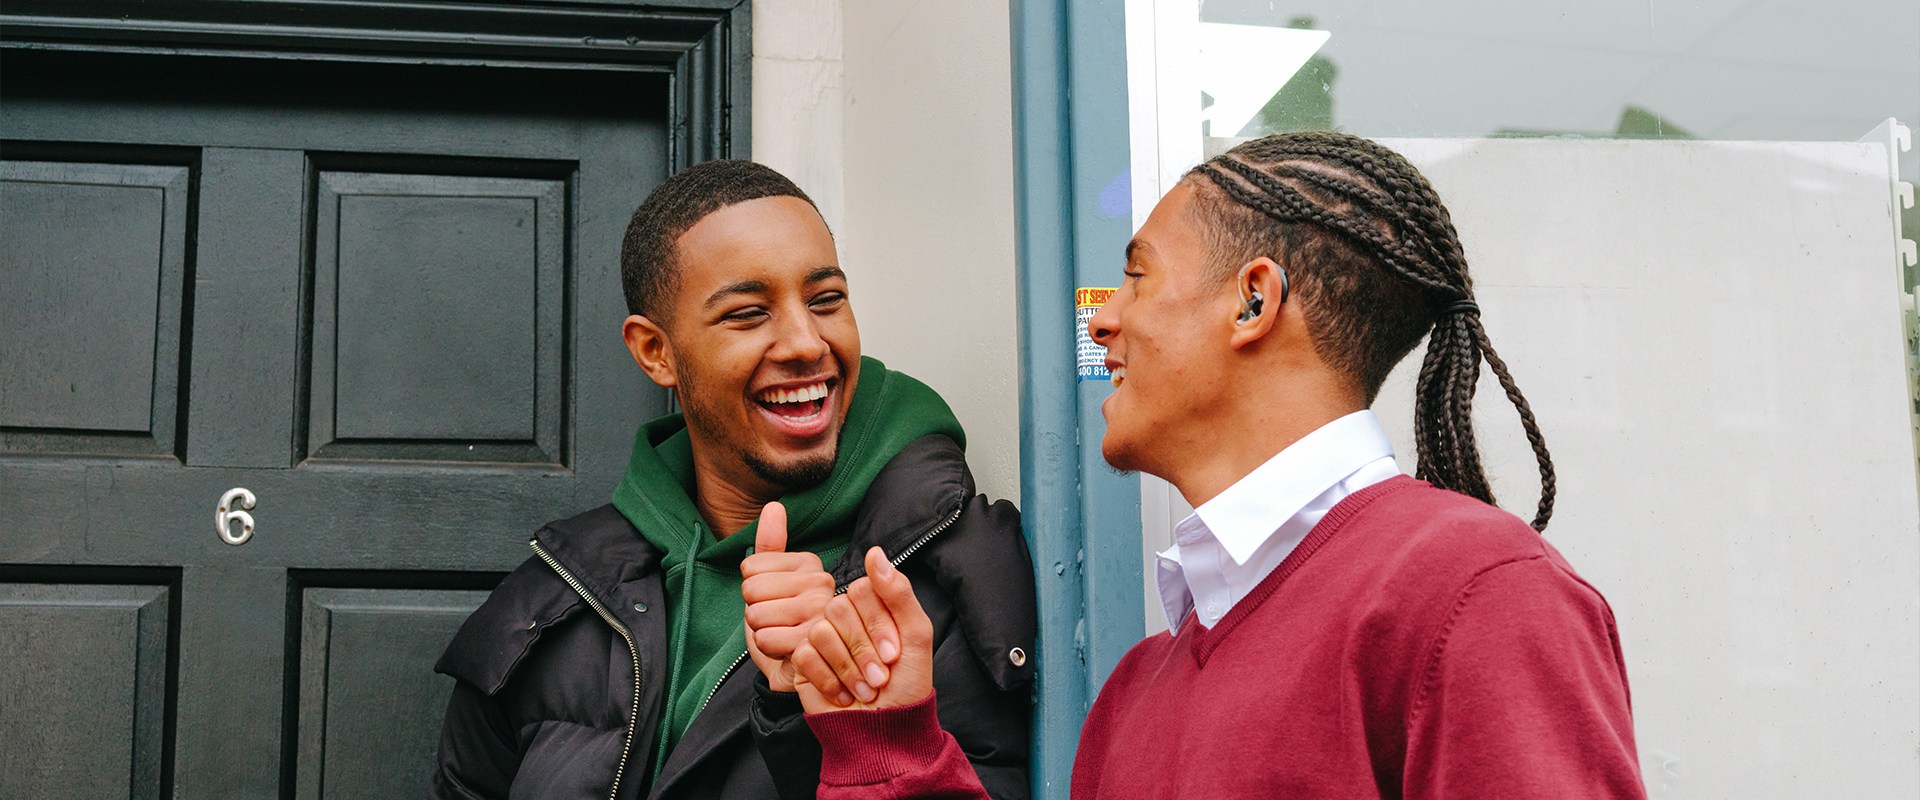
430	287
100	374
84	689
384	298
369	717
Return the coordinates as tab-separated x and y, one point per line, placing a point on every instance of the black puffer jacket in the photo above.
549	702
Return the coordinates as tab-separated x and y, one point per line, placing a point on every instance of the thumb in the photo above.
771	537
892	587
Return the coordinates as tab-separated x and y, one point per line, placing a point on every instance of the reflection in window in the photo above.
1305	103
1804	70
1732	69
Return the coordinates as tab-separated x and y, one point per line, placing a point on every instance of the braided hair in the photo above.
1374	256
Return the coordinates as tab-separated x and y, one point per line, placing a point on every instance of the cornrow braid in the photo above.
1380	263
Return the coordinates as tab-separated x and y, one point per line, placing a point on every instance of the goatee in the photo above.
793	476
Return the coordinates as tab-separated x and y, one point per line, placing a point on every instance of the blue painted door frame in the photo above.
1073	219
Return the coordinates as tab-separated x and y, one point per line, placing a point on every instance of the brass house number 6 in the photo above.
232	510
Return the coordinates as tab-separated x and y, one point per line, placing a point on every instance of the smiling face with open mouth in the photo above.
1166	331
761	345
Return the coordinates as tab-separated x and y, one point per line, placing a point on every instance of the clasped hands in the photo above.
869	648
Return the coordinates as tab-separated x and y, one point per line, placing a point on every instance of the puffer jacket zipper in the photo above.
737	661
841	589
633	713
921	542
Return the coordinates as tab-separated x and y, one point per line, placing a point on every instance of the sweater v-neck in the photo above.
1202	641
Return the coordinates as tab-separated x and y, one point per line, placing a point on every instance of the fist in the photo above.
785	593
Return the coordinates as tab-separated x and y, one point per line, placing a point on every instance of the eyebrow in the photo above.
743	287
760	287
1136	247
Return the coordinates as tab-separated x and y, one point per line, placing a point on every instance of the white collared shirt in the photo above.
1235	540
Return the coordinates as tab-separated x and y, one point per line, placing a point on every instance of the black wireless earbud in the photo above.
1251	305
1250	308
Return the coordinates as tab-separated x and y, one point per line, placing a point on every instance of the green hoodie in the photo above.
705	627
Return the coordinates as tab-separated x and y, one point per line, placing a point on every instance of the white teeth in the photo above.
1119	376
804	394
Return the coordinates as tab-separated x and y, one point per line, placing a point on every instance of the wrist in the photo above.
868	746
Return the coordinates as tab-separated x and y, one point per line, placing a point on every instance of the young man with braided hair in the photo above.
1338	629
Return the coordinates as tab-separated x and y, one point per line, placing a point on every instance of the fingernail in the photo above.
865	692
845	699
876	675
888	650
884	568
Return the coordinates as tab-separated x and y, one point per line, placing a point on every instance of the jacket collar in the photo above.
924	485
600	548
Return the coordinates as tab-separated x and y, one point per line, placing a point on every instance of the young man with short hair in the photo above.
1338	629
614	662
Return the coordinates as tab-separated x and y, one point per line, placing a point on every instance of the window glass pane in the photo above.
1784	70
1798	70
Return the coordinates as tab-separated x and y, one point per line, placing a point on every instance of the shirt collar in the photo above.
1249	511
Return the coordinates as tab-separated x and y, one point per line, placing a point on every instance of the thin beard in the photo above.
793	477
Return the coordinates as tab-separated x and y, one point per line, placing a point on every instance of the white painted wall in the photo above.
799	99
897	117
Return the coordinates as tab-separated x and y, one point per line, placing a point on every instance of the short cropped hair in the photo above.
649	255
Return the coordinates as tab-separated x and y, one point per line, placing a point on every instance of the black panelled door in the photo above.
294	355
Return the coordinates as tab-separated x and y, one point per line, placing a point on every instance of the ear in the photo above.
1266	277
651	349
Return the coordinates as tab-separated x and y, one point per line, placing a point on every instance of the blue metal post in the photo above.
1082	520
1103	222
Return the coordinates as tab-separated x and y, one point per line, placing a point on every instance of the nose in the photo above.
798	339
1104	325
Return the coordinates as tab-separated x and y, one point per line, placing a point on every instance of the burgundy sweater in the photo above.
1418	643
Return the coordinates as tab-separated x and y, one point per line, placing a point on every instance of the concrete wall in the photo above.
897	117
